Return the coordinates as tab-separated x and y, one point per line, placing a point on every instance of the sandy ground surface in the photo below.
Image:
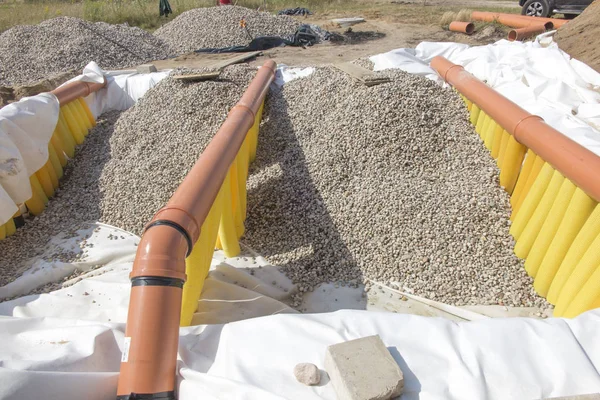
375	36
390	24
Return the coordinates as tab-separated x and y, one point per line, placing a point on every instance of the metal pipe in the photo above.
525	33
74	90
571	159
516	21
462	27
151	338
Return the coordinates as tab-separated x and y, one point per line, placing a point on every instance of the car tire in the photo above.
536	8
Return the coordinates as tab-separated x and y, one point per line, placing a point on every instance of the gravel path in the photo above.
29	53
388	183
217	27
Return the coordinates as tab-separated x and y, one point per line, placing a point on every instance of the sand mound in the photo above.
579	37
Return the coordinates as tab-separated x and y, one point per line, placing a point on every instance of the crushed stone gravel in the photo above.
388	183
218	27
29	53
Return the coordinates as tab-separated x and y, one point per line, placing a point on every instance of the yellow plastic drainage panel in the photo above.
74	122
224	225
556	226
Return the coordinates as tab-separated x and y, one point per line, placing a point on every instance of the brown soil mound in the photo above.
579	38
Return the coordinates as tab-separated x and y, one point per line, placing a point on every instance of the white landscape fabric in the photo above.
536	75
73	359
25	130
67	344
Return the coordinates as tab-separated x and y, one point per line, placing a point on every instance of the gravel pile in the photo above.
29	53
158	141
387	183
130	164
218	27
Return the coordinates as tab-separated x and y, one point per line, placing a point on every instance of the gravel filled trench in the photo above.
217	27
130	164
388	183
351	183
29	53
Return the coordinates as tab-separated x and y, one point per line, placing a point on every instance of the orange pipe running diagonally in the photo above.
571	159
74	90
149	359
517	21
462	27
525	33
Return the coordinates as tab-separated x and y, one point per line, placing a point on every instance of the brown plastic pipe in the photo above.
516	21
571	159
462	27
152	332
74	90
525	33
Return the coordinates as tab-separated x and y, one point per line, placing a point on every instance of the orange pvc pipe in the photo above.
462	27
516	21
525	33
151	337
74	90
572	160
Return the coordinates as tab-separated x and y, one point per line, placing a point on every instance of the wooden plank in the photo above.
198	77
361	74
239	57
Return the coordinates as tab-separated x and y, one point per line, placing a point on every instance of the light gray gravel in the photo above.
217	27
389	183
29	53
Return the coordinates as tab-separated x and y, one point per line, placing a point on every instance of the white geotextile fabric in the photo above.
25	130
536	75
124	88
61	358
67	344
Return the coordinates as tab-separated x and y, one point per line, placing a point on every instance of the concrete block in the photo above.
363	369
146	68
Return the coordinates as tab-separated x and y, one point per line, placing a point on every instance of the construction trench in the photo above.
329	184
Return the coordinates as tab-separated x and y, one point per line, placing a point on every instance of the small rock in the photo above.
307	373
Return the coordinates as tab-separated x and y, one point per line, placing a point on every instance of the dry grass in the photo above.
447	17
464	15
144	13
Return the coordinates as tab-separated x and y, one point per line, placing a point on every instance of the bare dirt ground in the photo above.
390	24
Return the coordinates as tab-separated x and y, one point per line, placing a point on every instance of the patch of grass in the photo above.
464	15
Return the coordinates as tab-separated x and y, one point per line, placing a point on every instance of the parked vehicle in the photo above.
545	8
